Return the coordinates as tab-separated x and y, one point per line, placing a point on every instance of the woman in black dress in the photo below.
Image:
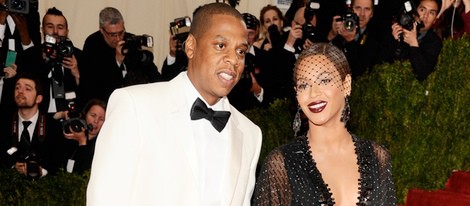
325	165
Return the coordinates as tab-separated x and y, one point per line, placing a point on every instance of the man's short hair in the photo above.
110	15
438	2
56	12
203	17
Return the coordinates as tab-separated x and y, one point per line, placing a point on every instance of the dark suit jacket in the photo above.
171	71
362	54
423	58
100	75
43	143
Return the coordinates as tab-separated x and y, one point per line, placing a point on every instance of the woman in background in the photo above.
94	111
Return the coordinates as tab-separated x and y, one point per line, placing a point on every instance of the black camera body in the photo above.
60	48
309	31
132	48
16	6
32	161
75	120
408	17
350	20
180	28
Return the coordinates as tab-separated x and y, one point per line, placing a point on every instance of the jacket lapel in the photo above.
235	161
180	122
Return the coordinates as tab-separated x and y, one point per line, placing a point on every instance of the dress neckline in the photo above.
325	195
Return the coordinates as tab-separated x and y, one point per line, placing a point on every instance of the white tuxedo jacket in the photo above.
145	152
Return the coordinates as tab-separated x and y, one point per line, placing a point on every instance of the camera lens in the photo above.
18	5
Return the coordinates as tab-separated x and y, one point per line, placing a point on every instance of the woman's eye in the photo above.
302	86
325	81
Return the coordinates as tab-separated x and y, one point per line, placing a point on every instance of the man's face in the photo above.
427	10
364	10
252	34
55	26
25	93
113	33
217	57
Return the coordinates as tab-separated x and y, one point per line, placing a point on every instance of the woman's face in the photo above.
320	90
95	116
271	17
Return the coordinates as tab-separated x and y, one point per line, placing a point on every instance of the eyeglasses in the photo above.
114	34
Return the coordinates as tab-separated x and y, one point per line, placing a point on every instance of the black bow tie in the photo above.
218	119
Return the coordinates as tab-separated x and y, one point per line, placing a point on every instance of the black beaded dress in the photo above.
289	176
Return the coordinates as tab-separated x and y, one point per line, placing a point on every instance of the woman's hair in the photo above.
331	52
266	9
93	102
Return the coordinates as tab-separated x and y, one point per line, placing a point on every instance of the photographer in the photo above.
19	30
176	61
85	134
354	34
248	93
107	66
59	62
27	138
420	44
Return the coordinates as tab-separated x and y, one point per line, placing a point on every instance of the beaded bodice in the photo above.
289	176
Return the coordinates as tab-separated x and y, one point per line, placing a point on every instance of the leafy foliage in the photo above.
424	124
61	189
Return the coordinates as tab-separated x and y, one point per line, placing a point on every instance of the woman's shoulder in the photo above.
379	150
282	150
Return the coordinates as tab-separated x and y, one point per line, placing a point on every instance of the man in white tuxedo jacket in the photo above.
161	145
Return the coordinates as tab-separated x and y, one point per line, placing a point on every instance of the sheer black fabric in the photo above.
289	176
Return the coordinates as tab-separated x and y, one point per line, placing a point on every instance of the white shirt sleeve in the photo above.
170	60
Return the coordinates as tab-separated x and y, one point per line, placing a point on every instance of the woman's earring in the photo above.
346	110
297	121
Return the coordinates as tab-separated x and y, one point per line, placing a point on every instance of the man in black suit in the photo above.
361	43
27	139
18	32
107	66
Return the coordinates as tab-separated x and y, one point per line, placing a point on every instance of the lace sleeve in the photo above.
386	185
272	186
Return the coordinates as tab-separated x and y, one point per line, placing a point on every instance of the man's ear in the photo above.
189	46
39	99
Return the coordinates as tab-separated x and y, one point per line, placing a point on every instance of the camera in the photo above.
16	6
132	48
60	47
75	121
32	161
350	19
309	31
180	28
408	17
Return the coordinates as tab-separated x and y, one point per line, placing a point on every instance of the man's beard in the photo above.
25	105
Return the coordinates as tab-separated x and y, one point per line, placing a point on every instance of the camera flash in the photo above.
12	150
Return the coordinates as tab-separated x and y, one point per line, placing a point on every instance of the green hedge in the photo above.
61	189
425	125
